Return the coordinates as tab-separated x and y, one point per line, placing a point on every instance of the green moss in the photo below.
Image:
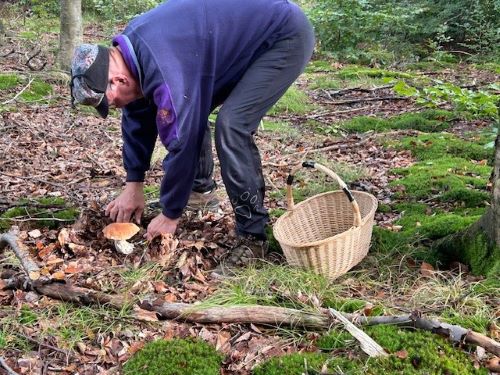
307	363
436	177
347	305
294	101
316	66
3	339
427	353
27	316
432	146
174	357
356	72
335	339
56	209
425	121
8	81
38	90
473	248
476	323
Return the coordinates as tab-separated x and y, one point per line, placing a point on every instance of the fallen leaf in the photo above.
493	364
223	341
72	267
402	354
367	310
426	269
35	233
63	237
59	275
144	315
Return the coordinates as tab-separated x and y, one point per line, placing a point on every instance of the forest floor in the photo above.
59	167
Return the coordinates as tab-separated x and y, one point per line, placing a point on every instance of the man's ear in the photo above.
120	79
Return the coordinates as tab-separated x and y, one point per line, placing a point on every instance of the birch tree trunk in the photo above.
71	31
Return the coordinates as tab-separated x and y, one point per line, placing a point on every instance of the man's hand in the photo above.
161	225
129	204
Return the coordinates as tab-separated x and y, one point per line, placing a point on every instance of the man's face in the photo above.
120	91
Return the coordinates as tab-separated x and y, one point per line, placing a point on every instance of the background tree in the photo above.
71	31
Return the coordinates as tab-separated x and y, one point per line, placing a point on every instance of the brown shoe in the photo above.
247	251
203	201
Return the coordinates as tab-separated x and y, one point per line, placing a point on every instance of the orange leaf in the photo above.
426	269
144	315
402	354
59	275
72	267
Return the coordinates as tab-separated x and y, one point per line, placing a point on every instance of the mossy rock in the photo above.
424	353
174	357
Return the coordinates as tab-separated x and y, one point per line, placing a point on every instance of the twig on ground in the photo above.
362	100
42	344
19	93
6	367
368	345
29	266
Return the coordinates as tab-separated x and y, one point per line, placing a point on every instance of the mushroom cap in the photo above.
120	231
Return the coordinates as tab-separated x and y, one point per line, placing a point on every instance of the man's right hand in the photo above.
129	205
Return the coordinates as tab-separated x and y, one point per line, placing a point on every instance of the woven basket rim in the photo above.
364	220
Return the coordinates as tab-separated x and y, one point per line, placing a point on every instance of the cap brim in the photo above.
103	107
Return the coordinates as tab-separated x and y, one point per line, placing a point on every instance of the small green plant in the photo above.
476	104
335	339
174	357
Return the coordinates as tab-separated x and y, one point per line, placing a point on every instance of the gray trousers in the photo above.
265	81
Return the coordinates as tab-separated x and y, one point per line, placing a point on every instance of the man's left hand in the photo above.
161	225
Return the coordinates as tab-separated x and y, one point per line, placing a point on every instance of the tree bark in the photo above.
71	31
479	245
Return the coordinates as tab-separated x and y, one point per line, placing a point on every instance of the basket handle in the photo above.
343	186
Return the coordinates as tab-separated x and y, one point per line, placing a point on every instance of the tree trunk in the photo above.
479	245
71	31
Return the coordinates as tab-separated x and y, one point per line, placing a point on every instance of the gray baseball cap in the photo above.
89	77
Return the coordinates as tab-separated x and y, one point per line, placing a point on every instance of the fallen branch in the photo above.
19	93
265	315
362	100
5	366
29	266
368	345
359	88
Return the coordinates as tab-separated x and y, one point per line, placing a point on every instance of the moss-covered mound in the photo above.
417	352
425	121
174	357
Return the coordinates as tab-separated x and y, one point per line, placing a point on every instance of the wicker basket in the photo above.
329	233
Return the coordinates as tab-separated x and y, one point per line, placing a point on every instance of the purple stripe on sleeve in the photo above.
166	118
119	40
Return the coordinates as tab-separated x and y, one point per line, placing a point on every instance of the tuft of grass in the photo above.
147	272
174	357
294	101
336	339
273	285
8	81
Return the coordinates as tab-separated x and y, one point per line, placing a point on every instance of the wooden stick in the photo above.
29	266
379	99
266	315
6	367
368	345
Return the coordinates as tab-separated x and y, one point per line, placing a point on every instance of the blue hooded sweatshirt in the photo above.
187	56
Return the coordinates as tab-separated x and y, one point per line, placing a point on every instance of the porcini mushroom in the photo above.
120	233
